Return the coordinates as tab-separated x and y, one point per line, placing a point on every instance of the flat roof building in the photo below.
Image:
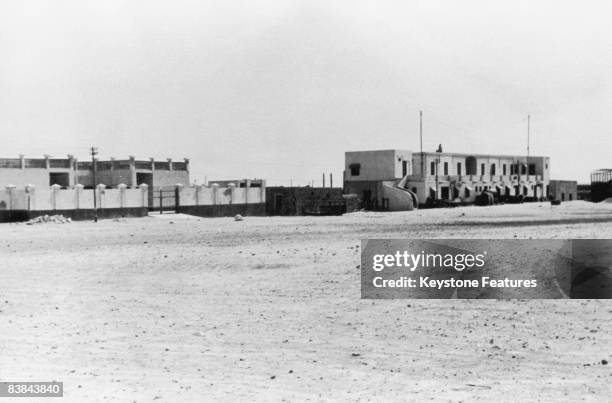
68	172
452	177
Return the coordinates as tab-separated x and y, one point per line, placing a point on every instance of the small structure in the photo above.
584	191
563	190
601	184
305	200
374	176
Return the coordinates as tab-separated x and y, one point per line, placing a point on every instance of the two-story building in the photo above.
452	177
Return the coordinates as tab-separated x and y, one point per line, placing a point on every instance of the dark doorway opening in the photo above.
445	192
455	192
278	204
146	178
59	178
367	200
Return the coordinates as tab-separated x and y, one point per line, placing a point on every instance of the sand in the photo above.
179	308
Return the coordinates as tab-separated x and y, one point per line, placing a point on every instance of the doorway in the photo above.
278	204
445	192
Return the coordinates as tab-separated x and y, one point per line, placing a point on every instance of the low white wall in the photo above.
54	198
212	195
12	199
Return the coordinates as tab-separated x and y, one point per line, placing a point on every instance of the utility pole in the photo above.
94	152
421	136
437	179
528	139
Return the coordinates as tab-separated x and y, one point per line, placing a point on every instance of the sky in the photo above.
281	89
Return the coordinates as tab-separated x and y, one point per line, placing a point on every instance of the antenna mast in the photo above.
421	137
528	134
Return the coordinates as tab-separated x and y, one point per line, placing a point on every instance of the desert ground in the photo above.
176	308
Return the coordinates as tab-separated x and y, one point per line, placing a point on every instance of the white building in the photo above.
451	177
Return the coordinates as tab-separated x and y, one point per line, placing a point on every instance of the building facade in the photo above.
305	200
563	190
372	176
68	172
584	191
241	183
450	177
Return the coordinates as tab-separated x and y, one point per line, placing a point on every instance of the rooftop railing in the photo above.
10	163
34	163
179	166
161	165
71	163
143	164
59	163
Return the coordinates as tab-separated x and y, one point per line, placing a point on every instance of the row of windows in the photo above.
478	189
470	168
514	169
506	191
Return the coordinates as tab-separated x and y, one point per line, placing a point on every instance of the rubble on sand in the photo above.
238	217
56	219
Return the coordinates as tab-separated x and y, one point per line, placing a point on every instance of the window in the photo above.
467	192
404	168
532	169
523	169
433	167
482	169
492	169
446	168
470	166
458	168
511	169
504	169
355	168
